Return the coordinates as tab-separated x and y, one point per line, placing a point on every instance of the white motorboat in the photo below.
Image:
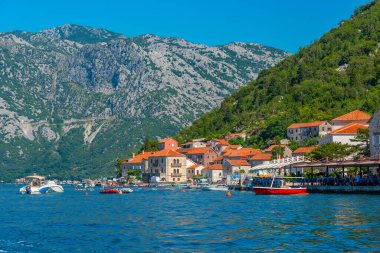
126	190
39	186
215	188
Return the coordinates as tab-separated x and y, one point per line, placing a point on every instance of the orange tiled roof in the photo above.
139	158
231	147
223	142
167	153
356	115
219	158
195	151
304	150
167	139
271	147
183	150
193	167
351	128
261	157
309	124
233	136
243	152
238	162
214	167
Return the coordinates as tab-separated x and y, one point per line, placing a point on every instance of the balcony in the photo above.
176	165
176	175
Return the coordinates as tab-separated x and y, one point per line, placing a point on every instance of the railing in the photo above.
176	174
176	164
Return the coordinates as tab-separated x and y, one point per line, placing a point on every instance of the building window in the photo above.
173	179
177	179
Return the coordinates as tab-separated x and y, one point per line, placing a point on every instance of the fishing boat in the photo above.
39	186
297	190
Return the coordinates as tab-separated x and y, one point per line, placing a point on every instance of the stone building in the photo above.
374	133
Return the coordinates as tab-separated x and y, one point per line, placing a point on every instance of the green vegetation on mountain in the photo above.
336	74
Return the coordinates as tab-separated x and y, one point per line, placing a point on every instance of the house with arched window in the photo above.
168	165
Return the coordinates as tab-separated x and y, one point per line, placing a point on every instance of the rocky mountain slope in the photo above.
74	98
336	74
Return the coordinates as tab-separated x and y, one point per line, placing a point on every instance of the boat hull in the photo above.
279	191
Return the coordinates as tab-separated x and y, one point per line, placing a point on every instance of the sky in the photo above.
284	24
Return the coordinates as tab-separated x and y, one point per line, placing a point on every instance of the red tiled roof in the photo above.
304	150
193	167
309	124
138	158
196	151
167	153
261	157
351	128
356	115
214	167
271	147
238	162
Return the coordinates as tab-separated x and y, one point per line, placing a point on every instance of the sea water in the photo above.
149	220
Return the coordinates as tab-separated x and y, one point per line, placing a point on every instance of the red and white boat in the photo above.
279	191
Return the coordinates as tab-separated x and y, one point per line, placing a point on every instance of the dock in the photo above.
375	190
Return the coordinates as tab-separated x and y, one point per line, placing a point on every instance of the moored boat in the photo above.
126	190
279	191
215	188
39	186
110	191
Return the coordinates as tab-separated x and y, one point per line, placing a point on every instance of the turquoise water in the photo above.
189	221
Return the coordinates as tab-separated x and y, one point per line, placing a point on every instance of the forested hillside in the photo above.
336	74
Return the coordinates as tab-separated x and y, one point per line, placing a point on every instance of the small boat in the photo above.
38	186
110	191
214	188
280	190
126	190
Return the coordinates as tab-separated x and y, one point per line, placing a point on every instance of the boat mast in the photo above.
274	175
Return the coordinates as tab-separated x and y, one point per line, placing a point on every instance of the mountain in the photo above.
73	99
334	75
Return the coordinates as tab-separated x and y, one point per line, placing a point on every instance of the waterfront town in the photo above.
218	161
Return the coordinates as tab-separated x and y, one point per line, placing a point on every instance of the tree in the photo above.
119	167
363	146
278	151
332	151
149	145
237	141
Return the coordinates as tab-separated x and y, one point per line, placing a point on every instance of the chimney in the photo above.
143	152
133	155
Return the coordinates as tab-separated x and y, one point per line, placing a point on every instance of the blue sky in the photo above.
285	24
